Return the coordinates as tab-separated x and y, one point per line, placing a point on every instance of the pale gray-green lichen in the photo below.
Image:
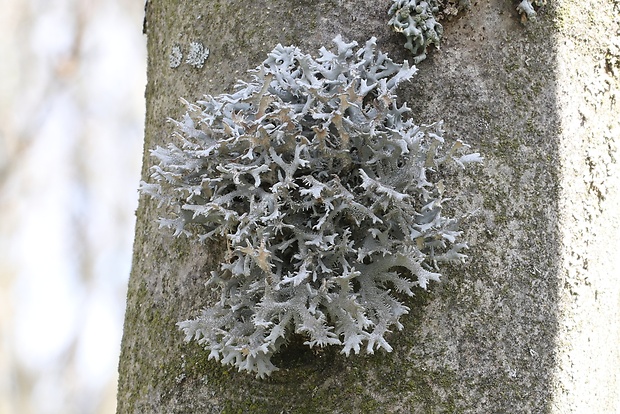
326	195
197	55
176	57
419	20
527	11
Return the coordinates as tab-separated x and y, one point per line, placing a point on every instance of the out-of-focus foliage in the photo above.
71	121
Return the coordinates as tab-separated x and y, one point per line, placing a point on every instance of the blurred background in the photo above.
72	78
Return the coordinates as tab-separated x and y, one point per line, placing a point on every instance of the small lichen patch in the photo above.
419	20
197	55
527	11
326	194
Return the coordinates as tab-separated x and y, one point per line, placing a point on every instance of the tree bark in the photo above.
529	324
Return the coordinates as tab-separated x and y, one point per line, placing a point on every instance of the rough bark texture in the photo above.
529	324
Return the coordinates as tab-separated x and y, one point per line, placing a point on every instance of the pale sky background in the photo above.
72	78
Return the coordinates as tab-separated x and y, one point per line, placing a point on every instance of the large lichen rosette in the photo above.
321	189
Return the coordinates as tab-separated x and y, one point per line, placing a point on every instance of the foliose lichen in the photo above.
326	195
176	57
197	55
419	21
527	11
612	56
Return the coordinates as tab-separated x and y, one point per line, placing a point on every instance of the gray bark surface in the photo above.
512	330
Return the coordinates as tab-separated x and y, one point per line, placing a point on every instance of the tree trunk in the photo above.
531	323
